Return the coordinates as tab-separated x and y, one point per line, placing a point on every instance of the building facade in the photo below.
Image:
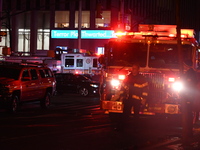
35	26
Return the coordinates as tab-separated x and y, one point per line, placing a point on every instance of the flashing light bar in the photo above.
119	33
158	30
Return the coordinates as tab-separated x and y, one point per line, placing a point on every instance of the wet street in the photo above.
77	123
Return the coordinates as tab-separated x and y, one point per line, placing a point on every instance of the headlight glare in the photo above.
115	83
177	86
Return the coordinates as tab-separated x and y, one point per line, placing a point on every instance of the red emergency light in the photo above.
120	33
121	77
159	30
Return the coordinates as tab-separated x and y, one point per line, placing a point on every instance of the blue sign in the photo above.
85	34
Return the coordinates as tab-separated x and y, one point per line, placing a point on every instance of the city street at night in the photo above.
99	75
77	123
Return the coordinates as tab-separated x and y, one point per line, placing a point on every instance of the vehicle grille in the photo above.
156	87
156	80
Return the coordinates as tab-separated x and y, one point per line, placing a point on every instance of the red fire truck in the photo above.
154	47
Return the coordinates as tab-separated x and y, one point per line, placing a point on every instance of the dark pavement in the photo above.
77	123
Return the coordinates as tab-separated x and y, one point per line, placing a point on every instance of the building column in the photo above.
72	15
114	13
92	14
72	24
14	34
33	32
52	24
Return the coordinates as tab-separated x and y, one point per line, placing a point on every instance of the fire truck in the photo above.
155	48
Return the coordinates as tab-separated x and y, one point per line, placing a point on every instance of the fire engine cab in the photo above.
155	48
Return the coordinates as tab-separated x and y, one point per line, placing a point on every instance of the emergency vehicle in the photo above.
154	47
79	62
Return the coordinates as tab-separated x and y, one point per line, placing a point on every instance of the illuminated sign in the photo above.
85	34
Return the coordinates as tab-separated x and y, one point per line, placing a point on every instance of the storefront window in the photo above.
85	19
43	39
100	50
5	40
24	41
105	21
62	19
127	21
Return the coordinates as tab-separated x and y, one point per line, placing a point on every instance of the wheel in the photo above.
83	91
46	101
13	104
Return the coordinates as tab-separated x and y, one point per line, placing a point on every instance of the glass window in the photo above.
95	64
105	21
47	73
79	63
34	75
100	50
24	41
43	39
127	21
25	73
62	19
69	61
5	40
85	19
42	73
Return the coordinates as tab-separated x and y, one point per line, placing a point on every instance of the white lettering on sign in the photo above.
74	34
85	34
58	34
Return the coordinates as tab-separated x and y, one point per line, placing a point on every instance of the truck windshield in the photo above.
160	55
9	72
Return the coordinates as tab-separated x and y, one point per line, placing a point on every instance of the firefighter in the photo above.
192	93
136	90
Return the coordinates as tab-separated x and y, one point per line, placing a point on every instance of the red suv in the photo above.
24	83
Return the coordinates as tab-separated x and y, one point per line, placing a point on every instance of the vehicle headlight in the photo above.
177	86
115	83
94	85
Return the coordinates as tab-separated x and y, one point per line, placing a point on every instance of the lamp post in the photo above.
186	104
79	24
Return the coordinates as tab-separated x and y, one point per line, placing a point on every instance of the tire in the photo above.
46	101
83	91
13	104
